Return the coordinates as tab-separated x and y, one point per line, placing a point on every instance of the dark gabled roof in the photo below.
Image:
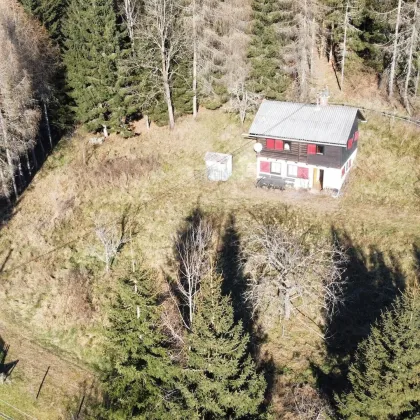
329	124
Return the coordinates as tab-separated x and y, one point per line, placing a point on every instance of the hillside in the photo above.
56	288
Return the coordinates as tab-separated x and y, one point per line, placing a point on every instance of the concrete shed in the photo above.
218	166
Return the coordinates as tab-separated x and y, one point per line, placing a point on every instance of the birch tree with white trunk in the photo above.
394	58
161	38
192	247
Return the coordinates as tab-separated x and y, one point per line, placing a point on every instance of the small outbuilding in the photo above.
218	166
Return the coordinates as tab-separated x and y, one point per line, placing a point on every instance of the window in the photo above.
264	166
343	171
319	149
302	173
279	145
311	149
270	143
276	167
292	170
287	146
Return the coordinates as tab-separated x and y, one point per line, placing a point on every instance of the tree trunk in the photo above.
4	187
20	172
47	121
330	56
28	164
194	61
410	58
416	88
34	159
395	52
8	154
313	35
287	305
167	91
343	61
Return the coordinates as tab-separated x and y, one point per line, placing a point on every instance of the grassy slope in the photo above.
151	179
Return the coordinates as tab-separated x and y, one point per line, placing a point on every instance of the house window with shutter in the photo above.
343	171
287	146
278	145
319	149
265	166
292	170
302	173
311	149
276	168
350	143
271	143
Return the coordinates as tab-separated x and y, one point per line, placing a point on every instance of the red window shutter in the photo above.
343	171
264	166
311	149
350	143
303	173
356	136
279	145
270	143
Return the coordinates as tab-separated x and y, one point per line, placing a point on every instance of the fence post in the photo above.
42	382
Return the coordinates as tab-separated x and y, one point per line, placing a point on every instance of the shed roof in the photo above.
329	124
216	157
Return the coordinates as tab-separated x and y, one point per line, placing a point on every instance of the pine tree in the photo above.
220	378
385	376
91	54
139	375
267	76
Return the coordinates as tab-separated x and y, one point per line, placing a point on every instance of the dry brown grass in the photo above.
150	178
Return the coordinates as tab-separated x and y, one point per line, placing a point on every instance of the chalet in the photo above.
305	145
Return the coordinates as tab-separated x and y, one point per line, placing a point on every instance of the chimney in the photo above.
325	94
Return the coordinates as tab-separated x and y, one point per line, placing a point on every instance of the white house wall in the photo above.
333	178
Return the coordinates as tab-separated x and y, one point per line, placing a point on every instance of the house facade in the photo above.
304	145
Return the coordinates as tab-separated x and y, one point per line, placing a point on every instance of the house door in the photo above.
321	179
318	183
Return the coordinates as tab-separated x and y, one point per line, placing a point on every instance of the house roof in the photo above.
329	124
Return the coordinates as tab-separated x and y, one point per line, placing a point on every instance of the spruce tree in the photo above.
139	374
265	49
385	376
91	54
220	379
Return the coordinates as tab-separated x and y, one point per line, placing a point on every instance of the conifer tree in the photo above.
267	76
91	54
385	376
139	375
220	378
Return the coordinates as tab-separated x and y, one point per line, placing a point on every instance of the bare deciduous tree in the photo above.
27	62
131	13
308	404
242	101
192	248
112	238
162	41
287	274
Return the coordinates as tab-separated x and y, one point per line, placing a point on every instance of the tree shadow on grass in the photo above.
230	266
6	369
373	284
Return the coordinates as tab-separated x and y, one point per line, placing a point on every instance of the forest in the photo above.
169	297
